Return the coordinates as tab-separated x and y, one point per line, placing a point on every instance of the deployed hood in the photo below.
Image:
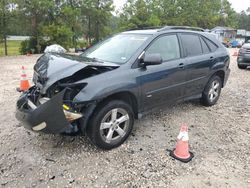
52	67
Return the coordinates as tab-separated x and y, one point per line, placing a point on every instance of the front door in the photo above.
163	83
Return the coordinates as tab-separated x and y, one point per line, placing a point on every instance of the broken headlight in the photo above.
69	113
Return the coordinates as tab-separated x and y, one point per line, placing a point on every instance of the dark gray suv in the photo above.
243	59
124	77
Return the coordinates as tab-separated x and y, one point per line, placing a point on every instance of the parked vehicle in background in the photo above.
243	59
226	44
104	89
235	44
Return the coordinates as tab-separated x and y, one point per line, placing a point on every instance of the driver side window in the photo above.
167	46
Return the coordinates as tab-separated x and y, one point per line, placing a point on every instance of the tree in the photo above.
53	19
96	15
2	5
138	14
64	21
59	34
5	13
228	16
38	12
244	20
198	13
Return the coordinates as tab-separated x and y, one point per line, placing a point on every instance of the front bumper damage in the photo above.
48	117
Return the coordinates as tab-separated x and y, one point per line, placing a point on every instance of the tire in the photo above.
110	124
212	91
242	66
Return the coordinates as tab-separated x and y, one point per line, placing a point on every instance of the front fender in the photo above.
98	93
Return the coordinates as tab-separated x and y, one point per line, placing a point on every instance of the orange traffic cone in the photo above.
24	83
181	152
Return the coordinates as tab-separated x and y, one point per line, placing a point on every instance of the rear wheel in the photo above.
111	124
212	91
242	66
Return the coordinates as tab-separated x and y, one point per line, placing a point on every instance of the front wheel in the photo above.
212	91
111	124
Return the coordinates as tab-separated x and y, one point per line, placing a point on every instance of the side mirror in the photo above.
152	59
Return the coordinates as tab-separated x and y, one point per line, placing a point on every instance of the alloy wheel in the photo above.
114	125
214	90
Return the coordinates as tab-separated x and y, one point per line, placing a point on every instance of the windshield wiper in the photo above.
94	59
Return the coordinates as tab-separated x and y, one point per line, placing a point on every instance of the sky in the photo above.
238	5
119	3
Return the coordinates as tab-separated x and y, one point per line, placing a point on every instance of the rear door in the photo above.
199	58
163	83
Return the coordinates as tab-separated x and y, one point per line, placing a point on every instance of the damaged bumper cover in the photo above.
48	117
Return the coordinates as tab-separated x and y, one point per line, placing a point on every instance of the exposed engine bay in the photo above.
74	83
57	81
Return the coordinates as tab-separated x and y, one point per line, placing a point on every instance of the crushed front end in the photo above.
49	105
48	115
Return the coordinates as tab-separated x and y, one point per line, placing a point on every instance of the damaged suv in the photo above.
103	90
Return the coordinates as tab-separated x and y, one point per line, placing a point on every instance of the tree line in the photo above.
66	21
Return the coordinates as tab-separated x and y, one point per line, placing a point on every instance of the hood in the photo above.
52	67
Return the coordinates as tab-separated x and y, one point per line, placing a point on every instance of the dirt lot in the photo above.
219	137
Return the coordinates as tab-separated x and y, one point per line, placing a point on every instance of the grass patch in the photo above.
12	46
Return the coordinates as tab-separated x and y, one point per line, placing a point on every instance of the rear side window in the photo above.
167	46
191	44
204	46
213	47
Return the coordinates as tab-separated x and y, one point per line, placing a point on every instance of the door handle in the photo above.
181	65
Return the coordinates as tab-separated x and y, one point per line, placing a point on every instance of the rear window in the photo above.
191	44
204	46
213	47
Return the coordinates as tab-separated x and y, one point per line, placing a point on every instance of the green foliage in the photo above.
198	13
65	22
244	20
96	15
5	14
24	48
81	44
29	46
59	34
13	48
136	14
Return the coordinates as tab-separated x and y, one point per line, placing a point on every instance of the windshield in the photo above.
118	49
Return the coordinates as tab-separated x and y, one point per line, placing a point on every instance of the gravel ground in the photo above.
219	137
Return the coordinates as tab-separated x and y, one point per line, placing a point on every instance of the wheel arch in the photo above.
221	74
124	96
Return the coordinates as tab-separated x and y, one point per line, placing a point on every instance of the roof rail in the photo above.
144	28
183	28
